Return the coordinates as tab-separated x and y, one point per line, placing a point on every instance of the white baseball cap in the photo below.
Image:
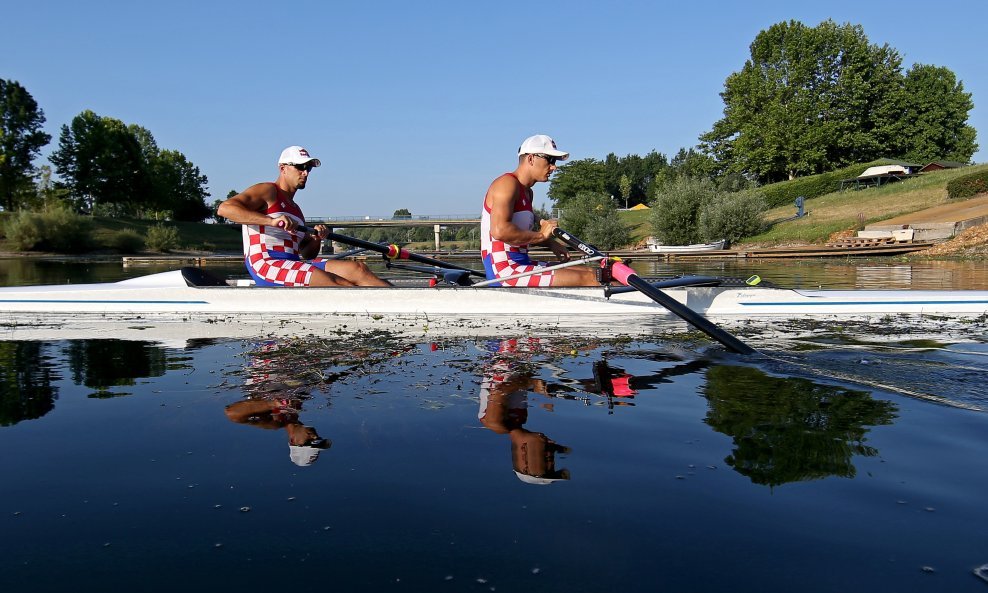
541	144
543	480
296	155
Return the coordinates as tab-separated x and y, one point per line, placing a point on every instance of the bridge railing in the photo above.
413	217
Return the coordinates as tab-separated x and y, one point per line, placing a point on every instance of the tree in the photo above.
21	139
809	100
625	187
676	210
586	175
592	217
179	186
933	122
402	213
102	162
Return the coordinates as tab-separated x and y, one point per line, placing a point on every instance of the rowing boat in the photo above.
694	248
189	293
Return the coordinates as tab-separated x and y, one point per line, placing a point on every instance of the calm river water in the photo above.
505	463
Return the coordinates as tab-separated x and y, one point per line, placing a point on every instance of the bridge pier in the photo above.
436	228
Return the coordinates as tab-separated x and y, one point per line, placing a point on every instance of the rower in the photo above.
276	251
507	218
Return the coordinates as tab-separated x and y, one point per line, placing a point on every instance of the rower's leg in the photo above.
576	276
354	271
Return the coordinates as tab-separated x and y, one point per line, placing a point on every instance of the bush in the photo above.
732	216
162	238
676	210
125	241
968	185
785	193
591	216
58	230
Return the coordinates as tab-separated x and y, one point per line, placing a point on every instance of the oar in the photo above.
394	252
625	275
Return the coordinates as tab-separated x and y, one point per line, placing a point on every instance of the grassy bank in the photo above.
839	211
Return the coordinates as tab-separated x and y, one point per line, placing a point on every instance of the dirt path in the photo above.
975	207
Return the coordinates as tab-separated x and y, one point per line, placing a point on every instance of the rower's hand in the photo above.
283	222
546	227
560	251
322	231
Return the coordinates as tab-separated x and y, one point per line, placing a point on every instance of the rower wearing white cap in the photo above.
507	219
276	253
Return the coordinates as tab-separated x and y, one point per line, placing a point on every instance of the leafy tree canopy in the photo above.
21	139
107	163
813	99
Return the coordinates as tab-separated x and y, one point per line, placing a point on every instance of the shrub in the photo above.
785	192
676	210
58	229
732	216
968	185
162	238
591	216
125	241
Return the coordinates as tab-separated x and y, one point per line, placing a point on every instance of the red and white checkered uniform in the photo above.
503	259
271	253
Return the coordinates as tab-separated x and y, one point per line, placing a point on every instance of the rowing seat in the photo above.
199	277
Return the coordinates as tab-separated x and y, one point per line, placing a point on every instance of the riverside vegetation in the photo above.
58	230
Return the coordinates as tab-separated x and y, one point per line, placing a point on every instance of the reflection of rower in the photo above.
274	400
270	412
504	410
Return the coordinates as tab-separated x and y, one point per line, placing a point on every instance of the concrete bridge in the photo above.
436	221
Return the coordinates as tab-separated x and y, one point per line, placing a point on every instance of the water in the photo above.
377	462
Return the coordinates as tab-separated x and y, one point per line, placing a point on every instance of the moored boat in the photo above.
696	247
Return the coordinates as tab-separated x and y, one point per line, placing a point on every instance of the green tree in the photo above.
809	100
402	213
179	186
592	217
676	210
731	216
586	175
933	121
625	188
21	139
102	162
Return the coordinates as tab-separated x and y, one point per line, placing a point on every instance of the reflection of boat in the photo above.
655	247
170	296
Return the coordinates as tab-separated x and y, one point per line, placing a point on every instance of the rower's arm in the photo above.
248	207
501	199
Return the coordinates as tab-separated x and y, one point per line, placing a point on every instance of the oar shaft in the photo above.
689	315
625	275
393	252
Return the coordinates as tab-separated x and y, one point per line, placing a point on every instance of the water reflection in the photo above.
507	380
283	375
106	364
27	382
790	429
30	371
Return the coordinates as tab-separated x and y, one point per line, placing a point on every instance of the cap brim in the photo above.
536	480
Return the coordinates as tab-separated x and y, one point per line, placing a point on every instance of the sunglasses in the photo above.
549	159
306	167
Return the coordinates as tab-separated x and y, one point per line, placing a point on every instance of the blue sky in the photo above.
420	105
